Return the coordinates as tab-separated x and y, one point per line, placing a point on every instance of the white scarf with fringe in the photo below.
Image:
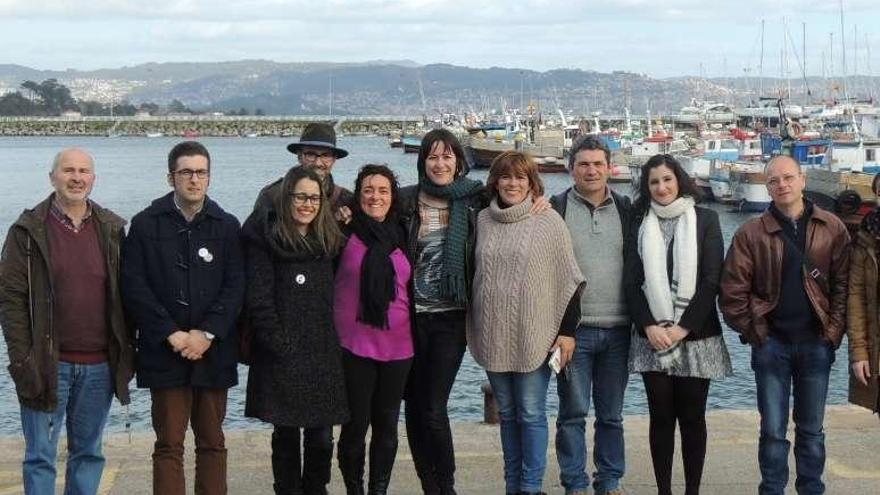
668	300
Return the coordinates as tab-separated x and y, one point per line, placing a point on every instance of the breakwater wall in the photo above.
202	125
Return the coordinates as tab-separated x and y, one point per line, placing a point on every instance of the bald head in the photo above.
77	155
72	176
786	184
783	161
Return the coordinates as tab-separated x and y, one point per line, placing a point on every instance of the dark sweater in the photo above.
79	281
793	319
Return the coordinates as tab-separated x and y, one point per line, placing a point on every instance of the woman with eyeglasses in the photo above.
863	329
672	270
296	379
373	321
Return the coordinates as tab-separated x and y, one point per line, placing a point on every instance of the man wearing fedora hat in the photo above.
317	149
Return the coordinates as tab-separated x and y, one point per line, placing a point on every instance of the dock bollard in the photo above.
490	407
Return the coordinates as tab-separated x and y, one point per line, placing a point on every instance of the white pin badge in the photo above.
300	279
205	255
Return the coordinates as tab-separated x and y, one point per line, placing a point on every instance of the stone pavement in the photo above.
853	466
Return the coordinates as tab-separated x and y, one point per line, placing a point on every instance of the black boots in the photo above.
381	464
351	464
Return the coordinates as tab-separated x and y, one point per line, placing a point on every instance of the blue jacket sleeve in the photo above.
223	312
150	317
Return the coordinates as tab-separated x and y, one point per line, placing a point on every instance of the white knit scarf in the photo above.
668	301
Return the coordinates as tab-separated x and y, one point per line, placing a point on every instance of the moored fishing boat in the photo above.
411	144
748	187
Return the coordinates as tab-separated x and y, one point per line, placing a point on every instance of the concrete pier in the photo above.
852	440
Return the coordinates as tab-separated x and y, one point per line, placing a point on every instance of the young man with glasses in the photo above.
183	285
784	290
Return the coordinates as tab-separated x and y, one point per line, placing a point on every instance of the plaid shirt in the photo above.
56	211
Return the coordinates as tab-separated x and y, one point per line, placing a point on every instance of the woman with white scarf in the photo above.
674	256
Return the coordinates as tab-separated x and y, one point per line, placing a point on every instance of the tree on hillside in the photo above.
177	106
15	105
54	97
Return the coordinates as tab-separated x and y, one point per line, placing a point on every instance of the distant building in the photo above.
71	114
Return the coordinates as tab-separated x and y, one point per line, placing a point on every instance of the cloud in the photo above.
427	12
660	37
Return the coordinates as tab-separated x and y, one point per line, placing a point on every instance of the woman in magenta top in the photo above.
372	317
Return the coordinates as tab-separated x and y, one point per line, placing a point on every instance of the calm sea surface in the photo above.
131	172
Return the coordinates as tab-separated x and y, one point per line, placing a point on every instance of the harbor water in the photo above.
131	172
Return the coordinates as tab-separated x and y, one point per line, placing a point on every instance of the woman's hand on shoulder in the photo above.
540	205
343	215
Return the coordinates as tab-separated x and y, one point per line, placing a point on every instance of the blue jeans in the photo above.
84	395
522	409
778	365
600	366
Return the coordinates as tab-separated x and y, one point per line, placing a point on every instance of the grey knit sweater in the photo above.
525	277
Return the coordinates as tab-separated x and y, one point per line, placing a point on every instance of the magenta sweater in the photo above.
358	337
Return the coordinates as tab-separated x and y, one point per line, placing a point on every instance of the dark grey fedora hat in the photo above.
318	134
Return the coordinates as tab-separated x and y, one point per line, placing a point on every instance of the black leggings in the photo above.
682	399
440	344
375	390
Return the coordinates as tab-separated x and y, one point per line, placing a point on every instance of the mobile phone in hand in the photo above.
555	362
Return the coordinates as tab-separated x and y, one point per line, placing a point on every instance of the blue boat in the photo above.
809	152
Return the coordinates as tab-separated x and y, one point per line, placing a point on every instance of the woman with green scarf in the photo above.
440	216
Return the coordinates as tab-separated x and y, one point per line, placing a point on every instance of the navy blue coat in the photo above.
177	276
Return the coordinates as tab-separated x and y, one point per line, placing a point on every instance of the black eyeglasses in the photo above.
188	173
324	157
302	198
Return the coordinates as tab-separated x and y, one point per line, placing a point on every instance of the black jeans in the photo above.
682	399
440	343
374	389
309	474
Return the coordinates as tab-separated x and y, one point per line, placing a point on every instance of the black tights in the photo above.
440	344
682	399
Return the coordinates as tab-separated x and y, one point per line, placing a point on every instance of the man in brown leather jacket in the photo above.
784	290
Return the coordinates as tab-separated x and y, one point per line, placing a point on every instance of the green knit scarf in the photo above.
453	276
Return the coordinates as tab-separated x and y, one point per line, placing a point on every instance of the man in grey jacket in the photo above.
596	217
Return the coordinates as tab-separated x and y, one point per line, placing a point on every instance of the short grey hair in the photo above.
56	162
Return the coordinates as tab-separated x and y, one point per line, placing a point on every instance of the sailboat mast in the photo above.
761	64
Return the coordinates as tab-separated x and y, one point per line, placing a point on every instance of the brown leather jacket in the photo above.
751	278
863	319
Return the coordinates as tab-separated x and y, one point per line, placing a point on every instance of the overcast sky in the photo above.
661	38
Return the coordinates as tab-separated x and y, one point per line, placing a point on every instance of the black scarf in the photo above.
378	278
